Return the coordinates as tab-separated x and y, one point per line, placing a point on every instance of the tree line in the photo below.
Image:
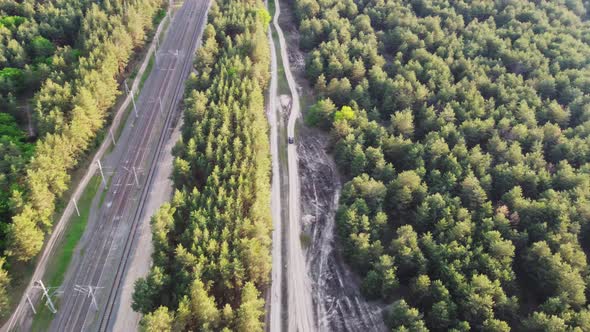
30	34
74	51
211	258
463	128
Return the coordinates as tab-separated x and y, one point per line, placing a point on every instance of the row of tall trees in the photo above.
464	129
212	242
30	33
83	47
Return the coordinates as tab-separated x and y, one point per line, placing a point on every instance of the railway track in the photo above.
93	269
115	291
21	316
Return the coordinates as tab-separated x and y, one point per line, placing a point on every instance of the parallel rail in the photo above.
131	238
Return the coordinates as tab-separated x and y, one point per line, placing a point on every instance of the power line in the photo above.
89	291
39	284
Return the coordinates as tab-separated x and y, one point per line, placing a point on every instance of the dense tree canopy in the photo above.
464	128
71	52
30	34
14	152
69	113
212	242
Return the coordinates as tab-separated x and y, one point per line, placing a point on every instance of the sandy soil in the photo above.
300	308
276	292
338	304
140	262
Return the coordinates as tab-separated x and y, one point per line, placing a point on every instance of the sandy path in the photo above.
276	307
300	306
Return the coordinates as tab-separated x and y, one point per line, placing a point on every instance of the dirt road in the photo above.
276	291
300	308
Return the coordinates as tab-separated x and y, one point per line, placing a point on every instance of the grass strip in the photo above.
146	74
64	252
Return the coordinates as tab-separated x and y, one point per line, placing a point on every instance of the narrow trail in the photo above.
300	304
276	305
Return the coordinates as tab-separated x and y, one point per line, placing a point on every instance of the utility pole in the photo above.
31	304
104	181
45	294
112	136
132	98
90	292
135	176
76	206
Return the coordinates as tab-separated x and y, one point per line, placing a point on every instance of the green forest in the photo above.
463	129
62	61
211	259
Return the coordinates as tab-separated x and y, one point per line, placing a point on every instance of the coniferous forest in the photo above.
60	62
212	242
463	128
